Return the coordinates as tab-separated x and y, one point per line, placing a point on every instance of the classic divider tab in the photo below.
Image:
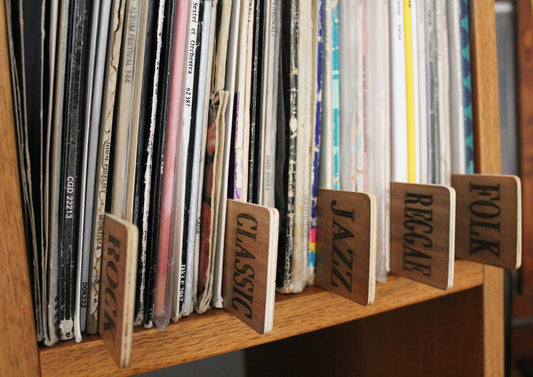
117	287
250	256
346	244
422	231
489	219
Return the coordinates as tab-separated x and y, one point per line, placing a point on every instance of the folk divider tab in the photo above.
489	219
346	244
422	231
250	257
117	287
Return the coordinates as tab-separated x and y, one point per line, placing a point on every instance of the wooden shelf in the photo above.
218	332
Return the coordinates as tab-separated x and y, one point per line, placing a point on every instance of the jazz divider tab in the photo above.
117	289
422	231
489	219
250	256
346	244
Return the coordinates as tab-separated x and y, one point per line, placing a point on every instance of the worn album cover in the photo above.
254	170
224	171
160	133
148	102
114	43
186	146
289	76
73	132
208	16
166	254
213	158
49	279
90	144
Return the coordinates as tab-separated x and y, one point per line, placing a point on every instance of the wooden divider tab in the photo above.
422	230
250	257
489	219
346	244
117	291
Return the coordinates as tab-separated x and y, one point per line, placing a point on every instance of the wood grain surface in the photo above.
422	228
346	244
18	344
485	87
489	219
426	339
488	161
119	272
250	264
218	331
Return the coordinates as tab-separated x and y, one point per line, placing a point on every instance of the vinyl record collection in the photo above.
159	111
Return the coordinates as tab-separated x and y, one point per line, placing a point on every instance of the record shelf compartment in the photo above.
218	332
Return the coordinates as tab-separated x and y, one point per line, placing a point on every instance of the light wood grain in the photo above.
218	332
488	161
346	247
119	270
485	88
493	335
18	345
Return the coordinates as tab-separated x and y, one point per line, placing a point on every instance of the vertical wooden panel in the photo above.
435	338
485	87
18	345
488	160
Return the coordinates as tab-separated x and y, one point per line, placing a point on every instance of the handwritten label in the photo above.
346	244
117	290
489	219
422	226
250	263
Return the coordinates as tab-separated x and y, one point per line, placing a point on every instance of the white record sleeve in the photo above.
457	121
398	96
378	110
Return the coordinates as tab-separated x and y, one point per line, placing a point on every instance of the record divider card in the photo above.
489	219
117	289
346	244
422	232
250	257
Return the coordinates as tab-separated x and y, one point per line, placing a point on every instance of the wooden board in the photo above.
117	291
251	249
218	331
427	339
489	219
346	244
18	341
488	161
422	229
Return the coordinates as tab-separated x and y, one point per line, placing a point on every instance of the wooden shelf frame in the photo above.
217	332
